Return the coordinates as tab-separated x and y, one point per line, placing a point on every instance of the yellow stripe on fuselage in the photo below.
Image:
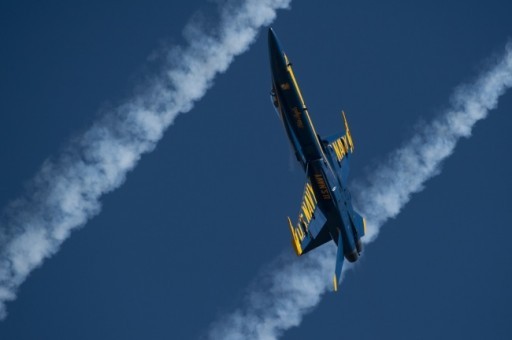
292	75
305	111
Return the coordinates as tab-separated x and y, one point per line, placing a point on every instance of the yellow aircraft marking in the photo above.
339	148
345	142
306	114
335	282
311	204
310	212
311	192
295	242
310	199
342	147
340	152
310	215
304	227
292	75
300	225
308	207
336	151
305	211
324	190
300	233
305	202
348	134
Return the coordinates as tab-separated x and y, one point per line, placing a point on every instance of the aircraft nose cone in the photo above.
273	44
271	34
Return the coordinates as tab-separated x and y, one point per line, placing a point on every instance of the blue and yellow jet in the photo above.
326	211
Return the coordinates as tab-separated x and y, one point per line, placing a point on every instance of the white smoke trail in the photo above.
288	291
66	191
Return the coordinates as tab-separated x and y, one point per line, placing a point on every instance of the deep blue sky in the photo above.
177	245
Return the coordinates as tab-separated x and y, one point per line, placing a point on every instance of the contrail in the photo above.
291	288
65	193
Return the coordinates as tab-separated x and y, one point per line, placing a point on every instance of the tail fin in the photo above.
339	263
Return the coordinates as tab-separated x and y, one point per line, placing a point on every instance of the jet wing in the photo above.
309	232
341	147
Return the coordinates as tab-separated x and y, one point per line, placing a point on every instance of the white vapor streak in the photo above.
405	172
291	288
65	193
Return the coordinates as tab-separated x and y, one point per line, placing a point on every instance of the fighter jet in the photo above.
326	211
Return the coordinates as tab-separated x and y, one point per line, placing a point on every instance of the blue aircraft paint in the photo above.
325	162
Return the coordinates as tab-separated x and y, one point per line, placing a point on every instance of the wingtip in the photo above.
295	240
344	119
347	131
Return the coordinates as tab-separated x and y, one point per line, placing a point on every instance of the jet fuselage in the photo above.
314	154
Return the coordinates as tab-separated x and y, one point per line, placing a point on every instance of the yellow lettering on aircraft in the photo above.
340	148
324	190
295	240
